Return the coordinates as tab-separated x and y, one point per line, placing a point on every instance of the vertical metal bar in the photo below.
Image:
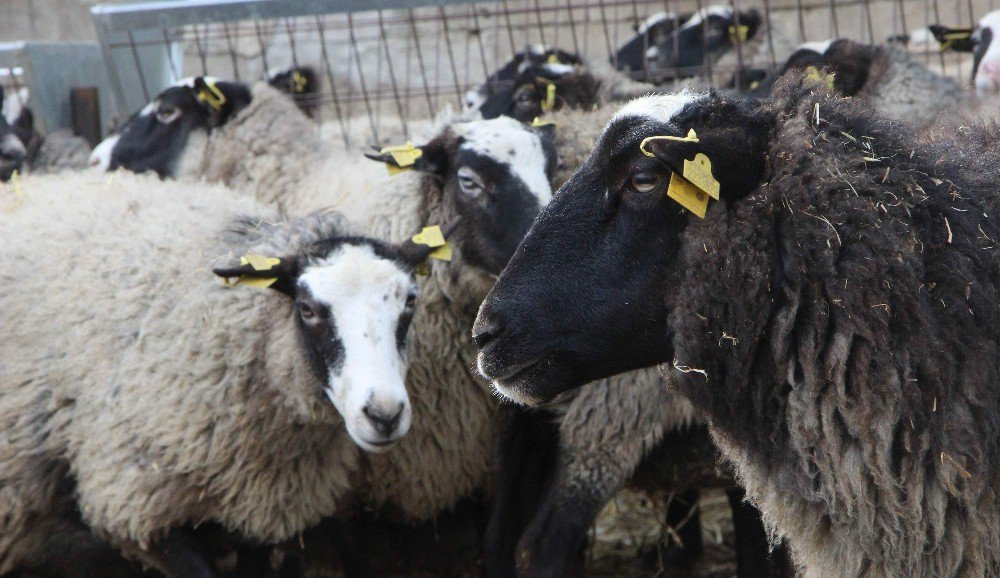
802	22
170	56
201	50
834	25
451	53
291	42
510	27
541	28
138	67
263	48
330	80
707	62
607	34
937	17
420	62
572	27
232	51
868	19
392	74
770	35
361	76
902	17
738	73
479	41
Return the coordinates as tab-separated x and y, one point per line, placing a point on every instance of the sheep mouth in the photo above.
519	383
376	447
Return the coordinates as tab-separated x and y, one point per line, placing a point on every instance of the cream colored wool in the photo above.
61	151
271	150
173	399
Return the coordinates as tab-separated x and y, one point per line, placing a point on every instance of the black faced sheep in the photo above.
55	151
983	41
171	399
834	315
884	75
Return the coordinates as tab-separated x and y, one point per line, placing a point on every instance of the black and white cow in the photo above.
668	46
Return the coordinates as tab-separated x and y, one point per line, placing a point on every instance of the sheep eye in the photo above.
167	114
525	97
411	301
469	181
645	182
305	311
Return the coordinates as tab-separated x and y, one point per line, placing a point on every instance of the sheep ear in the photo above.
280	274
954	39
222	100
399	158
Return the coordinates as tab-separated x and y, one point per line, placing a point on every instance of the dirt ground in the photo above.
624	542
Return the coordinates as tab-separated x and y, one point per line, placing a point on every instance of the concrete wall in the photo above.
46	20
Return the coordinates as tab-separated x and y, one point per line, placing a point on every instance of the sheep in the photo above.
886	76
631	413
12	150
980	41
160	395
494	174
831	316
55	151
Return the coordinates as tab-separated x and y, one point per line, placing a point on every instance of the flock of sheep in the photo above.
231	330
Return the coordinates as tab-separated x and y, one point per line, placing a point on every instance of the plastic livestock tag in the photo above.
553	59
255	282
539	123
824	78
259	262
430	236
691	137
699	173
549	104
688	195
739	33
299	82
442	253
211	95
403	155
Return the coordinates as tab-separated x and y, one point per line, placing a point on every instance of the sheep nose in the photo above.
485	330
385	422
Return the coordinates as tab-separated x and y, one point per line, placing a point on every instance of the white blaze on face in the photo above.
100	157
507	141
365	295
659	107
988	74
14	103
817	47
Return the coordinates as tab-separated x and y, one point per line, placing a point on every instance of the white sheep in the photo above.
170	398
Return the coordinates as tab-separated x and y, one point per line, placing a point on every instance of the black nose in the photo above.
485	330
385	423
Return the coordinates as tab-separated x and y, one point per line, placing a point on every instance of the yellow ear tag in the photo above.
430	236
433	237
211	95
259	263
688	195
403	155
299	82
739	32
754	85
553	59
549	104
824	78
951	37
442	253
691	137
537	123
699	173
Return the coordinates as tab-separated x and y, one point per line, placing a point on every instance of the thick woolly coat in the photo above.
858	396
271	150
170	398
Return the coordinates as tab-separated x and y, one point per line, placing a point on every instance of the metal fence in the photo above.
385	63
51	71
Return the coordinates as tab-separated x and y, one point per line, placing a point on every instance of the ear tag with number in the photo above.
689	196
699	173
403	155
433	237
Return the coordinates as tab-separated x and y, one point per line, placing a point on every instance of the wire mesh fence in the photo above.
382	65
